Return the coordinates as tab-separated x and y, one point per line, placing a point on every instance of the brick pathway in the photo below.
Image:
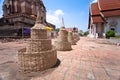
87	61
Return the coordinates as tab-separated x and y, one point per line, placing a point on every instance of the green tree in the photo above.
57	29
81	33
86	33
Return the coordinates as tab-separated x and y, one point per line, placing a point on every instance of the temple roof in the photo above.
109	7
104	8
111	13
109	4
97	19
95	13
95	9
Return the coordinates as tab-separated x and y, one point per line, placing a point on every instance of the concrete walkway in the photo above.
87	61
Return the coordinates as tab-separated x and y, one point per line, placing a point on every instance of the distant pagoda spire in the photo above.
63	24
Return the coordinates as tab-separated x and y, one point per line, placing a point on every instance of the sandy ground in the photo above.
89	60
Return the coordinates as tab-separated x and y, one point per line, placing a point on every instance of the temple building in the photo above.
19	15
74	29
104	15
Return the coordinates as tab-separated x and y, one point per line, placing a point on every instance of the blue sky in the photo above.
74	12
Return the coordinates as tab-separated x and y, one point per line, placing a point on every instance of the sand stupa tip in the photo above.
39	21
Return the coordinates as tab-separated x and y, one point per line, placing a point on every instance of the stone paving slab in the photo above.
87	61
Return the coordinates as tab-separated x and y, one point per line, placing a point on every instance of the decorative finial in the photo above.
39	22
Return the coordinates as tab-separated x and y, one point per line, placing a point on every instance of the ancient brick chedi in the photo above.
18	14
39	54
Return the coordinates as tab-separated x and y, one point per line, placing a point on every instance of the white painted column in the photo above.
90	31
94	30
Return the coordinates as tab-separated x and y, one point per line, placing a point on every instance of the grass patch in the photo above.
117	36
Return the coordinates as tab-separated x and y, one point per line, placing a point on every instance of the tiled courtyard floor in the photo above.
87	61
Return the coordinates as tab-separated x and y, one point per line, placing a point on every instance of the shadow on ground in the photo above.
10	71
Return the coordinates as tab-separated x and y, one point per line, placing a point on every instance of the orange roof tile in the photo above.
97	19
111	13
95	9
95	13
69	29
109	4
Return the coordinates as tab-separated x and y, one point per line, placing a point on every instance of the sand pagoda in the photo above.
71	38
62	43
39	54
76	36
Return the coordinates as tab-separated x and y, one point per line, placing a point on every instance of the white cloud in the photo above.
52	19
54	16
59	12
0	15
94	1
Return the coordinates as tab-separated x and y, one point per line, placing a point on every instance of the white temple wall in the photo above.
112	22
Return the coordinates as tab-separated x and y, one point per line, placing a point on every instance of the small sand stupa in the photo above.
71	38
39	54
76	37
62	43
